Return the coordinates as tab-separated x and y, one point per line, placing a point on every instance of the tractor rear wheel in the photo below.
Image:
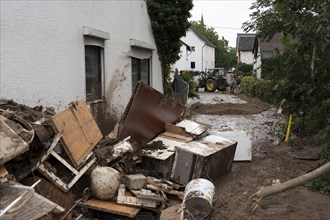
210	85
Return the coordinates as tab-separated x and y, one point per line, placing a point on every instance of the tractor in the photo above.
212	80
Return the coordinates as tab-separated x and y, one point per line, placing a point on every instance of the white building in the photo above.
57	52
265	50
197	53
244	48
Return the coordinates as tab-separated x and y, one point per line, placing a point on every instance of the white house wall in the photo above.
42	50
203	56
182	63
247	57
208	57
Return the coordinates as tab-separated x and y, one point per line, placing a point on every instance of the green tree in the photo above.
301	74
225	56
169	22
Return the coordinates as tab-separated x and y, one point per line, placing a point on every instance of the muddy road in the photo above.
272	160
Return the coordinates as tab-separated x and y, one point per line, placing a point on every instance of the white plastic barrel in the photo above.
198	197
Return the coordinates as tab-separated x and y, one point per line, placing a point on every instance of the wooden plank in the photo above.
147	194
176	137
80	131
122	198
110	207
177	130
3	171
172	213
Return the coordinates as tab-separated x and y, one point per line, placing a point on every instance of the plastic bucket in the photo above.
198	197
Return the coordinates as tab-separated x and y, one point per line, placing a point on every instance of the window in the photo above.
94	62
141	57
140	71
192	65
94	69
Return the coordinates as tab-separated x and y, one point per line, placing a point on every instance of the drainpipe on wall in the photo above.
203	57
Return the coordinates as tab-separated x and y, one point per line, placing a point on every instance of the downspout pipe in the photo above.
203	57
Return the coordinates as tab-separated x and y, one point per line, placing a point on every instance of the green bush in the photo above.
243	69
248	85
321	184
264	90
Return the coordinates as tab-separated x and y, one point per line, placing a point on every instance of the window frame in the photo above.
192	65
139	62
100	94
95	37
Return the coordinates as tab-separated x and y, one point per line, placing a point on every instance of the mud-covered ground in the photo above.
271	160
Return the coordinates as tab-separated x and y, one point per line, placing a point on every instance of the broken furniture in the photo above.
79	134
210	158
46	169
159	161
146	114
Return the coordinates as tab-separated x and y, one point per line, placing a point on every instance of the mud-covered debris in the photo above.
107	154
155	145
14	137
30	114
122	198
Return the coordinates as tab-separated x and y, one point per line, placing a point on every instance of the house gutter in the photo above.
203	57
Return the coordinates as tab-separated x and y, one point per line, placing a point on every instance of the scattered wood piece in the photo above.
160	185
147	194
3	171
176	137
175	185
110	207
133	201
192	127
298	181
168	191
177	133
172	213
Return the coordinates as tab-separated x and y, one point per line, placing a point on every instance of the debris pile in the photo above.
139	170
